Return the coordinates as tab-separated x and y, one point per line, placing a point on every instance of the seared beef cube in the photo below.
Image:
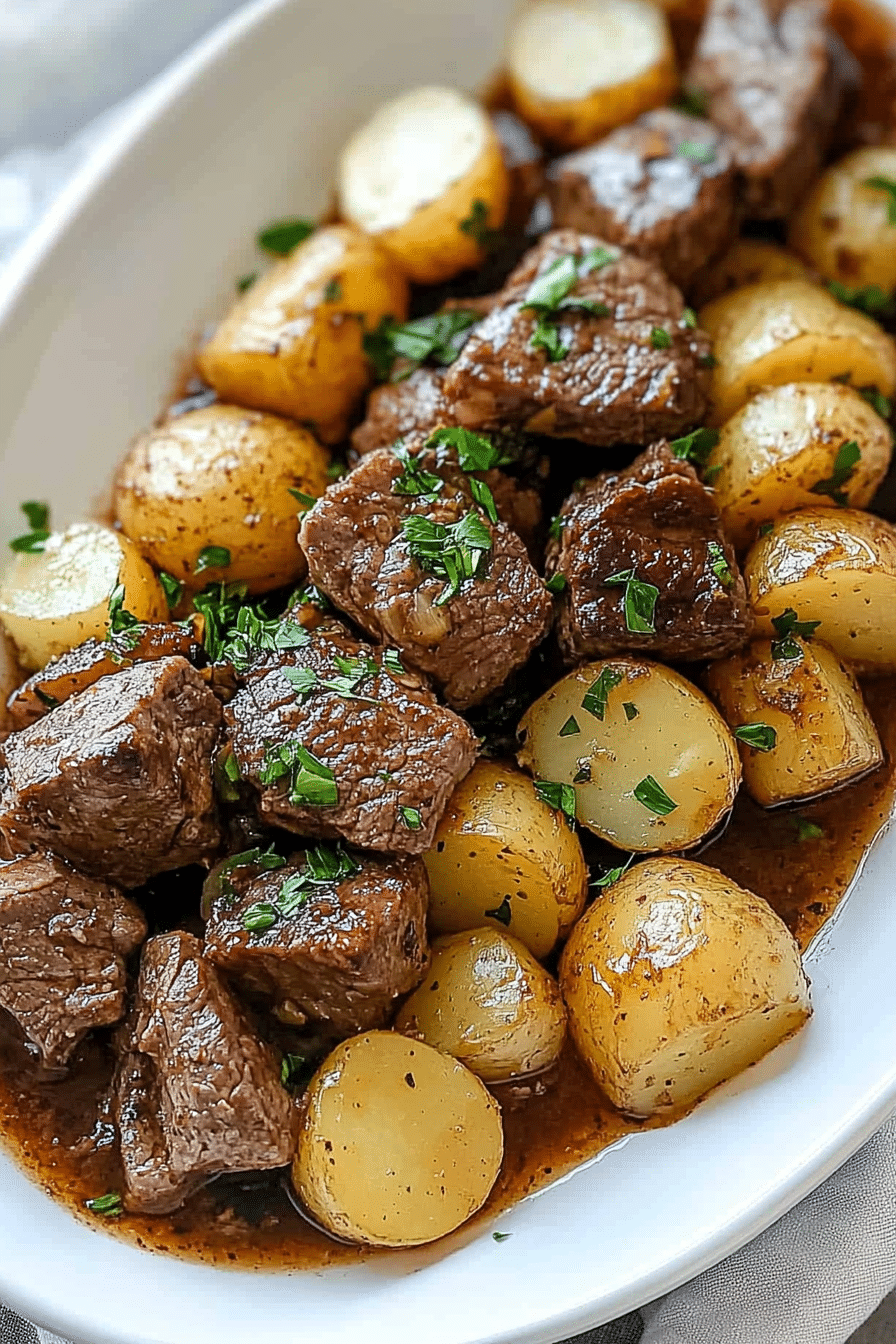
468	632
663	187
637	374
773	80
196	1091
63	940
330	937
658	525
340	741
78	668
397	409
118	780
524	161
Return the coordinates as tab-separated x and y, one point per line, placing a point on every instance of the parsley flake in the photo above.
219	605
283	235
696	446
212	557
124	629
253	634
888	186
332	290
310	782
476	226
474	451
689	317
484	498
353	672
413	479
245	282
639	601
807	830
631	710
323	864
501	1236
172	588
759	736
550	293
848	455
556	584
653	796
612	875
455	552
411	817
439	338
698	151
877	400
691	100
561	797
502	913
870	299
594	701
786	626
107	1206
37	516
660	339
570	728
306	501
292	1069
555	531
719	565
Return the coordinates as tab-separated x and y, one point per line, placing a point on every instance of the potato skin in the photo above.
825	737
836	566
499	846
399	1144
487	1002
790	331
843	227
675	980
748	261
784	442
285	347
221	476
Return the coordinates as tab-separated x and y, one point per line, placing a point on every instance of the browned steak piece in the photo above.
397	409
469	635
118	780
524	161
657	523
80	667
63	940
773	81
339	740
635	375
663	187
196	1091
327	936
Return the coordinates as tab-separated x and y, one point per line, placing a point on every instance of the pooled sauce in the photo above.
61	1130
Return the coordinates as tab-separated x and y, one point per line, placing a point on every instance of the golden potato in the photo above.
790	331
426	177
487	1002
578	68
292	344
399	1144
221	476
822	736
748	261
845	227
501	853
645	757
836	567
792	446
676	980
56	599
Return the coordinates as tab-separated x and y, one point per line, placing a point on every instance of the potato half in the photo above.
55	600
824	736
748	261
426	176
844	226
292	343
790	331
834	566
399	1144
501	853
780	452
651	761
578	68
676	980
487	1002
221	476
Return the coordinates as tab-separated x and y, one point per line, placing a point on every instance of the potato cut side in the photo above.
579	68
844	226
501	855
399	1144
675	980
834	566
651	762
426	176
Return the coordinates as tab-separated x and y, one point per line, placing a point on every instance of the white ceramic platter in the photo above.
143	247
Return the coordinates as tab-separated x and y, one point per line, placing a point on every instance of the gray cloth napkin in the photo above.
814	1276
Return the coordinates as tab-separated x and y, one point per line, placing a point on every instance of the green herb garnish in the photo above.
172	588
870	299
413	479
219	606
612	874
332	290
502	913
124	629
707	361
245	282
807	830
212	557
786	626
439	338
411	817
266	860
501	1236
556	584
323	864
660	339
284	234
570	728
310	782
37	516
689	317
719	565
654	797
474	451
550	294
292	1067
888	186
561	797
848	455
555	531
631	710
877	400
353	673
697	151
594	701
476	225
691	100
639	601
454	552
306	501
253	634
107	1206
759	736
696	446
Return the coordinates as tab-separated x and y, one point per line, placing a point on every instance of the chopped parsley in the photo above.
561	797
413	479
631	710
697	151
253	634
172	588
888	186
550	294
660	339
613	874
556	584
292	1070
260	917
696	446
439	337
570	728
501	1236
227	776
306	501
484	498
265	860
691	100
454	552
807	830
707	361
474	451
719	565
555	531
877	400
764	529
245	282
392	663
711	473
654	797
219	605
848	455
786	626
639	601
310	782
332	290
124	629
594	701
870	299
759	736
476	225
283	235
212	557
501	913
323	864
689	317
32	542
107	1206
353	673
411	817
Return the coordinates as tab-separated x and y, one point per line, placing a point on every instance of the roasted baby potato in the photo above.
836	567
648	760
221	477
578	68
399	1144
487	1002
292	343
791	446
501	853
790	331
426	177
675	980
821	735
56	599
748	261
844	227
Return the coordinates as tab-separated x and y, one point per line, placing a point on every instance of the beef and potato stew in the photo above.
480	691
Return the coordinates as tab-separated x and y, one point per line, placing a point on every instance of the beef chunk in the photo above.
346	937
358	554
657	520
197	1092
80	667
524	161
773	82
117	780
387	752
663	187
627	378
397	409
63	940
